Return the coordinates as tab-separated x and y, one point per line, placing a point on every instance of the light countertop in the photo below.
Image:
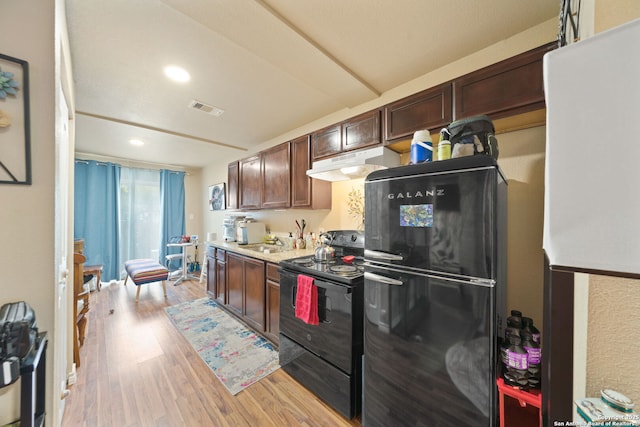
269	257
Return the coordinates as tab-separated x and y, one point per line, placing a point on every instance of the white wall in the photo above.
26	212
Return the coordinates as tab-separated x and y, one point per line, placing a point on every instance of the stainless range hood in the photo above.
354	164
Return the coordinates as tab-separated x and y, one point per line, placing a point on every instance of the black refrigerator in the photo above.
435	258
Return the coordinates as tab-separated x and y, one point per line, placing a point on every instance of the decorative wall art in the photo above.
15	144
217	197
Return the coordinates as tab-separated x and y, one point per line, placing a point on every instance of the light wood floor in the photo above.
137	370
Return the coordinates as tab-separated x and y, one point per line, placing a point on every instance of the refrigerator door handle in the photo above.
368	253
382	279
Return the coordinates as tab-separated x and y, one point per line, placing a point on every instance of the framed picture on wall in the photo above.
217	197
15	145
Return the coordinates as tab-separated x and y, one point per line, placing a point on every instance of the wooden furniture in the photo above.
276	177
509	87
357	132
96	270
80	305
216	274
246	289
272	320
305	191
233	177
146	270
430	109
250	183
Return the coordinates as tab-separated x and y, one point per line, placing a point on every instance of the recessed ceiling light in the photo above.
136	142
177	74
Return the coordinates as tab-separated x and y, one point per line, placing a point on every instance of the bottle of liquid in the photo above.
444	145
518	366
515	320
533	359
527	325
504	348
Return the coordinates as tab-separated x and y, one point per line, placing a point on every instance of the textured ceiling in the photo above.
272	65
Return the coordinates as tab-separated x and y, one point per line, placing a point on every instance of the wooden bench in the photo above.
142	271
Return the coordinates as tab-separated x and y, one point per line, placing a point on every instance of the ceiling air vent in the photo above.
206	108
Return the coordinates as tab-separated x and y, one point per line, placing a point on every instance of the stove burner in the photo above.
324	261
343	269
303	261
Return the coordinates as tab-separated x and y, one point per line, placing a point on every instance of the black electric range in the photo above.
327	358
345	243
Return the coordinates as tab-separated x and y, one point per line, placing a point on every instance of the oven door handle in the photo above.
382	279
368	253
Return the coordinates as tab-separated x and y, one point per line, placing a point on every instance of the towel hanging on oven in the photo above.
307	300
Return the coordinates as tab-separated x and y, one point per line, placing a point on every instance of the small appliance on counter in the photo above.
230	224
250	232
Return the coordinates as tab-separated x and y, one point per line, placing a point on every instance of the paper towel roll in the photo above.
211	237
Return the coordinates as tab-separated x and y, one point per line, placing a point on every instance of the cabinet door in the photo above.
221	282
300	181
250	183
507	88
326	142
272	324
232	187
361	131
254	292
430	109
211	276
235	280
306	192
276	177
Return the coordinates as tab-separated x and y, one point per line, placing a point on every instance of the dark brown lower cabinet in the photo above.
246	289
220	294
211	275
235	282
272	321
254	293
216	274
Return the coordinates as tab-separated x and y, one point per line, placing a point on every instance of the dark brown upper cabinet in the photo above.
430	109
326	142
276	177
357	132
361	131
232	188
509	87
250	186
305	191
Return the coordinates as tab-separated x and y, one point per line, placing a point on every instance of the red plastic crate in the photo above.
519	408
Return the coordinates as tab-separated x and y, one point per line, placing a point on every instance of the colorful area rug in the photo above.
238	356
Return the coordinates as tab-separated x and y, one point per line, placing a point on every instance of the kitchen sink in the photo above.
264	248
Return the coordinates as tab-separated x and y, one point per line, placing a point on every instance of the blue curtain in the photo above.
96	214
172	215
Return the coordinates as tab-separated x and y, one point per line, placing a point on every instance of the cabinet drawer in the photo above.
272	272
221	255
211	251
